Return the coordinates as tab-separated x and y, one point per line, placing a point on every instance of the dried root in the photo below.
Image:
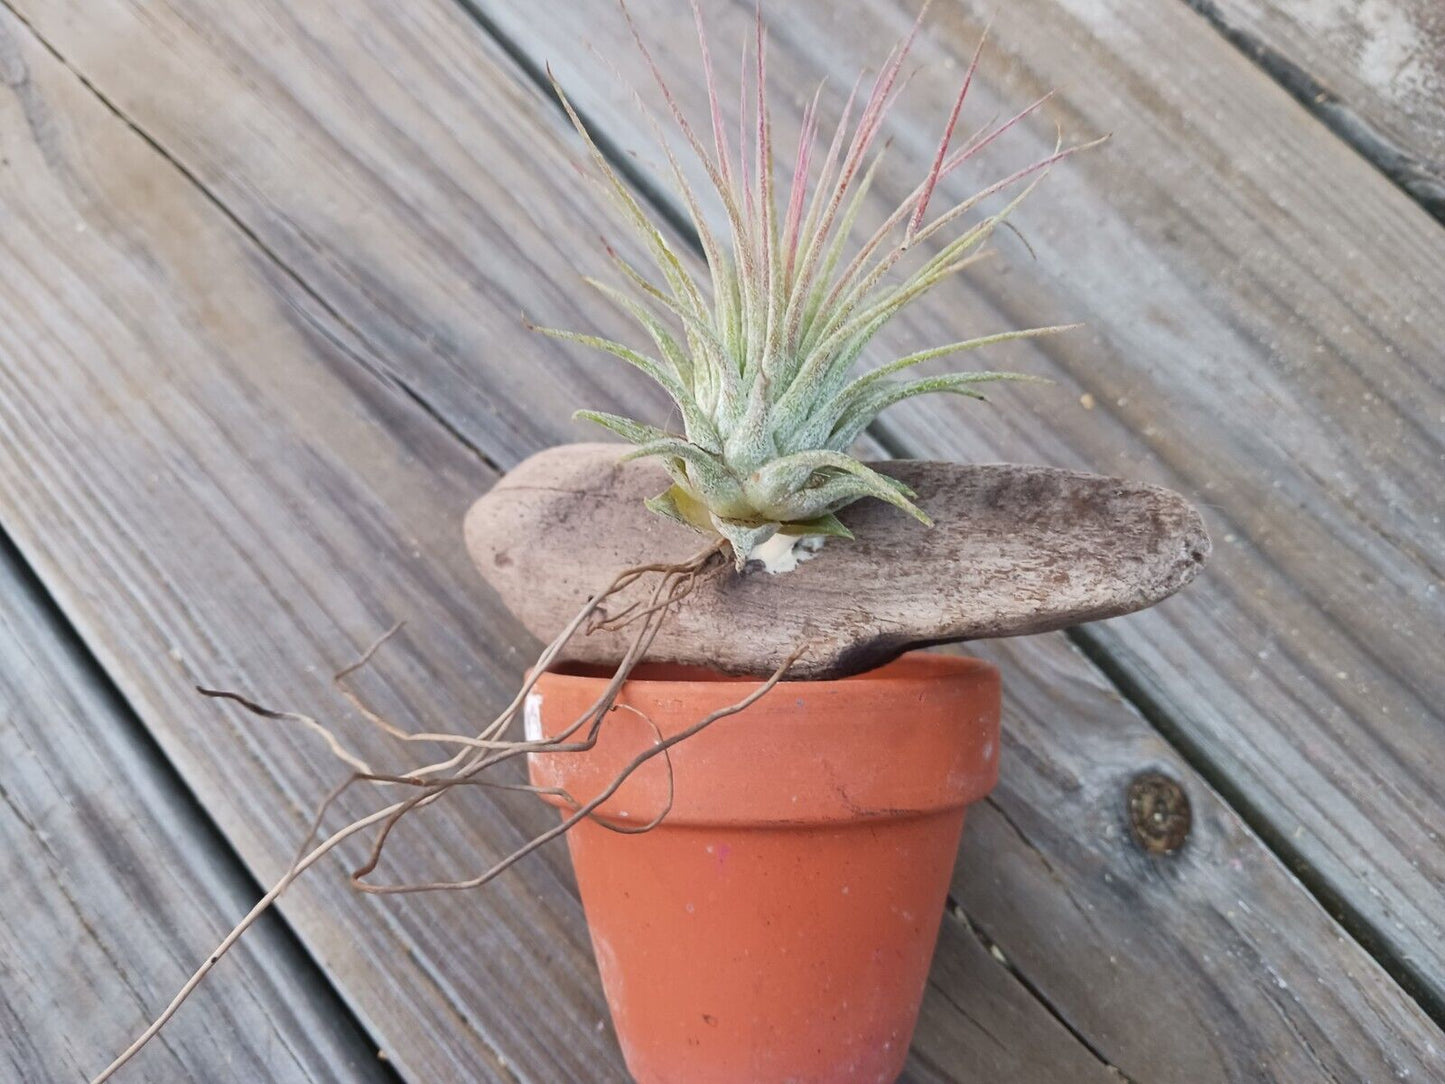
476	754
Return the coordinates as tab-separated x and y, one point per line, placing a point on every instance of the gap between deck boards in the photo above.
285	268
1348	917
1396	162
1340	909
954	911
135	733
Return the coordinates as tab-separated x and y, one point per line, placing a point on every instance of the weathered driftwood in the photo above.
1013	550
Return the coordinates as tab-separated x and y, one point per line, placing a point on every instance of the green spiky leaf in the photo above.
633	432
676	503
827	525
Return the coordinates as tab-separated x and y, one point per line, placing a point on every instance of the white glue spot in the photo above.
532	717
783	553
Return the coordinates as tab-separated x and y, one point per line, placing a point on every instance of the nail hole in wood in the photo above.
1159	813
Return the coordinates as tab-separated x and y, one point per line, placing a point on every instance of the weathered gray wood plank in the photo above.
1197	965
255	170
1259	340
1374	72
191	455
988	1041
112	885
212	479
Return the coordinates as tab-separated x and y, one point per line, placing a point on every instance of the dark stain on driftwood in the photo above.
1014	550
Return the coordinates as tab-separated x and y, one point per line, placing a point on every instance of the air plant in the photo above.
759	362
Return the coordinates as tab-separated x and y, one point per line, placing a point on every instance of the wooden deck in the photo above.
261	267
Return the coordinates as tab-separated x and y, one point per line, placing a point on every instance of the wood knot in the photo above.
1159	813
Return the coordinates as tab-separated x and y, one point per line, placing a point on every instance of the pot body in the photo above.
778	925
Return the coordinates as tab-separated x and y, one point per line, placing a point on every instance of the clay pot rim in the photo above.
661	678
917	735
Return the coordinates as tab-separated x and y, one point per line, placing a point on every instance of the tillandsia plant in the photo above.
760	361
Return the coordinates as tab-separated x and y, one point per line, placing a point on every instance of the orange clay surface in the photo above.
779	924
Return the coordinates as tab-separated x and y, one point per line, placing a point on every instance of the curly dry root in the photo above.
476	754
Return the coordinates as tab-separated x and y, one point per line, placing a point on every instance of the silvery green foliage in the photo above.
760	358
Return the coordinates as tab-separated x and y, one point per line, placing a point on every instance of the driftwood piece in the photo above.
1014	550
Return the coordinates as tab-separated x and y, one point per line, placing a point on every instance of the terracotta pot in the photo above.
778	925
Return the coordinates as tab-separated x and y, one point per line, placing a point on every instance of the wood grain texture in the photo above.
1264	343
213	478
990	1040
1374	72
113	886
1211	967
1012	551
262	157
189	445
